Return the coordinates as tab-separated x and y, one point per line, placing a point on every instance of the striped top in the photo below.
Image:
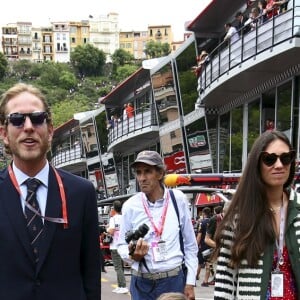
247	283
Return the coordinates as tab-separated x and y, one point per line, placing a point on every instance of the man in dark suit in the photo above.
62	261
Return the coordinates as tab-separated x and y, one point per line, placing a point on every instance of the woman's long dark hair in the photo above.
249	209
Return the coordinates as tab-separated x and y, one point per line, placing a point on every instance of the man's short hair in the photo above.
117	205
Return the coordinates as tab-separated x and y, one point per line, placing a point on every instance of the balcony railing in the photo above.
265	36
67	154
143	118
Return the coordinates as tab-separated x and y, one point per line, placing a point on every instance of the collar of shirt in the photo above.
43	176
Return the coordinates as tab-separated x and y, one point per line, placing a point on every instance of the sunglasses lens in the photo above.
36	118
269	159
286	158
16	119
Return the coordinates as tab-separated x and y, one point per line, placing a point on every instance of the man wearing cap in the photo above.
155	256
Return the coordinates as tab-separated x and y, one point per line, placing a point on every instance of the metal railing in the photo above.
263	37
67	154
144	117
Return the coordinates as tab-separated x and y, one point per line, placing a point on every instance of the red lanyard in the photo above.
64	219
157	230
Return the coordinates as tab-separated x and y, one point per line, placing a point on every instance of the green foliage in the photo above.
21	69
65	110
66	90
157	49
88	60
122	57
3	65
67	80
124	72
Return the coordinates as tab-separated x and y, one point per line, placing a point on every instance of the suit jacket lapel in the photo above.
12	205
53	209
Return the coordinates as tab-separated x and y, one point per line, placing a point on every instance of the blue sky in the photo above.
133	14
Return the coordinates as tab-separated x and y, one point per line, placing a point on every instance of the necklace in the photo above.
276	209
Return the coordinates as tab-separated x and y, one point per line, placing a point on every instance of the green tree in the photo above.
68	80
3	65
21	69
124	72
65	110
88	60
122	57
50	75
157	49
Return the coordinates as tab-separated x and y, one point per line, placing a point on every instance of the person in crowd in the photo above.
172	296
258	237
114	230
110	123
262	8
253	20
231	33
130	110
272	9
102	232
124	115
283	5
212	224
270	124
153	222
202	262
50	238
242	24
202	59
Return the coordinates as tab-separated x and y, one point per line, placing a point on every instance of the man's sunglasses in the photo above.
18	119
269	159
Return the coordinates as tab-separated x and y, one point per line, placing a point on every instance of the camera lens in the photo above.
142	230
135	235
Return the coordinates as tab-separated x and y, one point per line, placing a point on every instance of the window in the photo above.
172	134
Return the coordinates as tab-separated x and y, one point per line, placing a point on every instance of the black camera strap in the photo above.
184	267
177	213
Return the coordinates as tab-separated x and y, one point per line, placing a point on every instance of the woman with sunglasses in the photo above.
258	240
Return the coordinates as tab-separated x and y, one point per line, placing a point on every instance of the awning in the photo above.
206	199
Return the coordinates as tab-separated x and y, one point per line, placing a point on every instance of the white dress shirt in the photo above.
134	215
42	191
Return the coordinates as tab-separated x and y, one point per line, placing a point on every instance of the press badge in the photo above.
277	284
159	250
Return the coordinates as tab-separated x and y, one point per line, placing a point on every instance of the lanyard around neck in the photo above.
279	243
64	219
158	230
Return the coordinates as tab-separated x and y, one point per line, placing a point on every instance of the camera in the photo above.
135	235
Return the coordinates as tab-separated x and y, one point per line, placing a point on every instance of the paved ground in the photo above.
108	283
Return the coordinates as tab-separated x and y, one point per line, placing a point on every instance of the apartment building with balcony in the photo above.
21	40
79	34
24	40
104	33
61	41
37	46
160	33
9	42
47	43
134	42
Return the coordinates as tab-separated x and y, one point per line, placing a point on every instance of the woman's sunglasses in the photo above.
269	159
18	119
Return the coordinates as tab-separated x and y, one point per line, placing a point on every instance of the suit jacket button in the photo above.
37	282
